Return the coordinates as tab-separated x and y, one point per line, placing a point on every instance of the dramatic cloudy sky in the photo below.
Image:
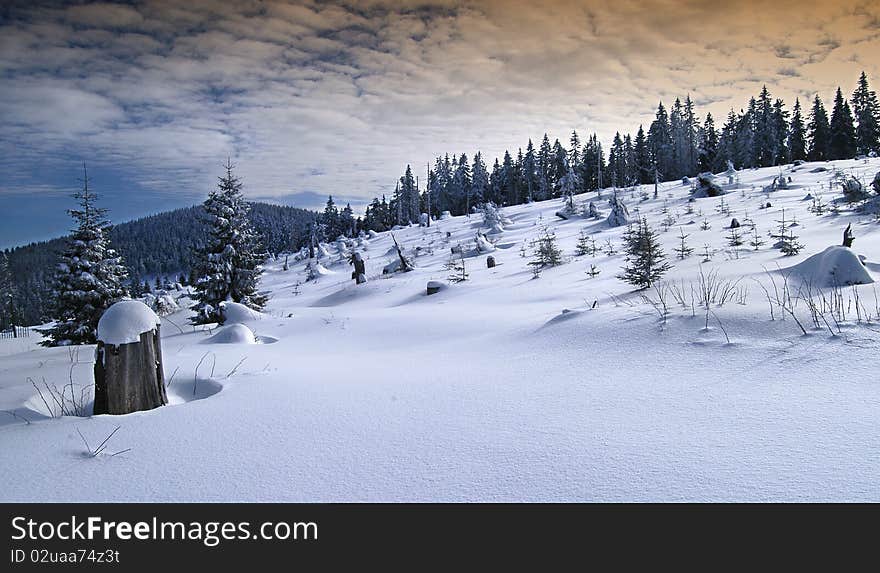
311	98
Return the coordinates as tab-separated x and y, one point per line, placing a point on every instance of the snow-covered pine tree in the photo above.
89	278
492	216
645	259
229	266
619	215
570	184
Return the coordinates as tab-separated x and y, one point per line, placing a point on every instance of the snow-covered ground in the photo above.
503	387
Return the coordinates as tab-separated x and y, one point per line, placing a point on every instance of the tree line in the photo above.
677	143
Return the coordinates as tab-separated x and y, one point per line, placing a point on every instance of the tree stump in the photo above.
434	287
490	262
128	365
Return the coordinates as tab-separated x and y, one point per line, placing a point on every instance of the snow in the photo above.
490	390
125	321
233	334
236	313
836	266
483	245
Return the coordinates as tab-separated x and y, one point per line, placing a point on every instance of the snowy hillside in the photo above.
506	387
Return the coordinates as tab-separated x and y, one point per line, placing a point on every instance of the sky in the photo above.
320	97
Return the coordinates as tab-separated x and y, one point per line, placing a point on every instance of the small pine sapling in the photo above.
547	253
609	247
456	267
683	250
583	244
756	242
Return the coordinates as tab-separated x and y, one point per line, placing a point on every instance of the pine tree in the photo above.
708	149
797	139
683	250
570	185
645	259
89	278
734	237
479	183
786	240
229	266
756	240
820	132
330	220
585	244
642	157
843	133
8	316
867	114
546	251
456	267
660	145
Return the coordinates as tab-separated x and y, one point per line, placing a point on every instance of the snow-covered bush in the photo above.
592	212
162	303
706	186
483	244
619	215
853	190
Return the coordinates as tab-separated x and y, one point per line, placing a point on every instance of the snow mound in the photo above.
233	334
125	321
483	245
237	313
835	266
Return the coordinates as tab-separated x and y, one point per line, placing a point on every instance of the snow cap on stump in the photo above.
125	321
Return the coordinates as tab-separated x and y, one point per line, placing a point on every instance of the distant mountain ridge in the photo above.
158	245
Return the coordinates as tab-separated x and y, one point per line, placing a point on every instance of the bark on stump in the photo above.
129	377
490	262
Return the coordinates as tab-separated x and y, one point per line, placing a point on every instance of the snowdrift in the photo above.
835	266
237	313
233	334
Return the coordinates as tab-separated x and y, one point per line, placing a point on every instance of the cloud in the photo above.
314	98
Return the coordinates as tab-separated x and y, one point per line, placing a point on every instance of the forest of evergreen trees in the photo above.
676	144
